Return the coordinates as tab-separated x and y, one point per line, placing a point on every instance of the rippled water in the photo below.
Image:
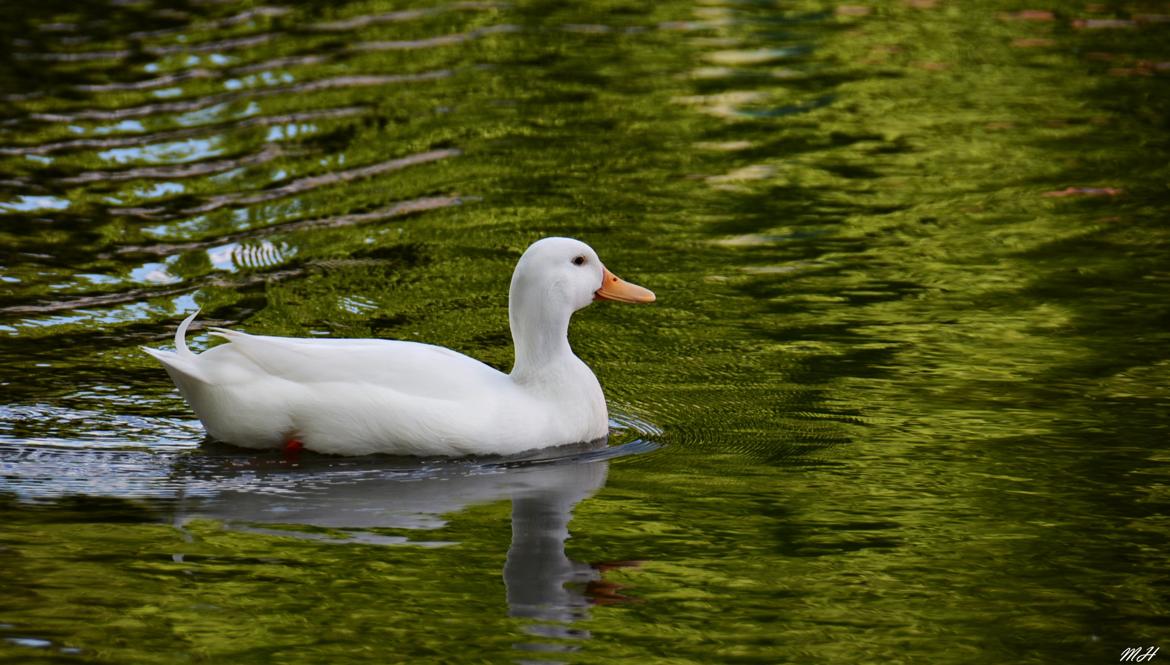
904	395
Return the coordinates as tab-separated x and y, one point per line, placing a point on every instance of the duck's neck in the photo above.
540	332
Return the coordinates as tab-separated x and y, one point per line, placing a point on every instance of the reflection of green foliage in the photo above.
205	593
914	407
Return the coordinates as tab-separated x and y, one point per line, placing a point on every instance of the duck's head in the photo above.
567	271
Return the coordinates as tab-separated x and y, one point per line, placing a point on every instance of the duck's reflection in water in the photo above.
543	583
355	499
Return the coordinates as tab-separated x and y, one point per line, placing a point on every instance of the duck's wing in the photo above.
411	368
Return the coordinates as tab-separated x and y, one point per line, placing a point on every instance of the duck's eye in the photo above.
579	261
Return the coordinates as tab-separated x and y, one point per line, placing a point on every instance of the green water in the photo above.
904	397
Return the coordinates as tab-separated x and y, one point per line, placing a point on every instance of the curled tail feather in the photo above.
181	337
181	360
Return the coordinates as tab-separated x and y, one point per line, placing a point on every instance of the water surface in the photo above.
903	396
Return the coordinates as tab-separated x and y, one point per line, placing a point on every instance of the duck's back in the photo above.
411	368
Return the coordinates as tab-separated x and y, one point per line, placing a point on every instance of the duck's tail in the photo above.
181	362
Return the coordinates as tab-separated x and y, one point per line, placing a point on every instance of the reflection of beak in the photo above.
615	288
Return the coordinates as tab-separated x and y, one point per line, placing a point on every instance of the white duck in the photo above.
360	396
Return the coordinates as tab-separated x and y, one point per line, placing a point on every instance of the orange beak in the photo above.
615	288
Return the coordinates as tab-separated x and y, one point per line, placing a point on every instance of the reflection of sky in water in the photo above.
357	304
154	191
263	215
192	60
125	126
279	132
226	176
155	273
221	257
127	313
159	189
120	314
185	304
93	278
209	59
27	203
262	78
172	152
82	282
216	112
176	229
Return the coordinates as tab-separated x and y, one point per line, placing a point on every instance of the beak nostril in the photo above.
613	288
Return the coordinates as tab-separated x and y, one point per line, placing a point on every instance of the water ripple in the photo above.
90	429
267	153
200	103
144	139
356	22
430	42
214	24
298	186
399	209
235	43
122	86
101	454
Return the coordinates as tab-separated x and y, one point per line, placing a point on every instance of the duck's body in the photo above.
361	396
